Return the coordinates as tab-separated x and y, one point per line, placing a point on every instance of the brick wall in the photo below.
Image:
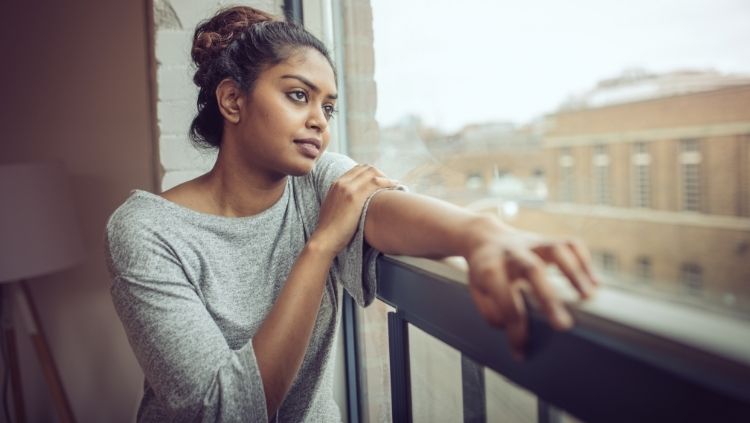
725	105
719	119
174	22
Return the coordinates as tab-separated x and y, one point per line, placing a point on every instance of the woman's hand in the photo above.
342	207
504	261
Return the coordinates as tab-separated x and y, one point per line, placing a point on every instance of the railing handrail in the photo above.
601	370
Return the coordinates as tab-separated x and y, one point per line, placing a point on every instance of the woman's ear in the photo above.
229	99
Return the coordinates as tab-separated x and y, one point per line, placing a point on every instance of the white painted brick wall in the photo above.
176	92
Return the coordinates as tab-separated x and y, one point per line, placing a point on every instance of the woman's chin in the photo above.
301	169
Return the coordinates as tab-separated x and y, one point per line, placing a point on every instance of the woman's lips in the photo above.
310	148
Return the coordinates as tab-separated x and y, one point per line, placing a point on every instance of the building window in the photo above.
605	261
567	180
691	277
600	162
643	268
690	160
641	160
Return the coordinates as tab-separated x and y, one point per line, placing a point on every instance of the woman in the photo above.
227	284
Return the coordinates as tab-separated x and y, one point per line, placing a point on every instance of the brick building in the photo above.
659	189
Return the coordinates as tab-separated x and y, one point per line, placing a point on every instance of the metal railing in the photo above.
600	371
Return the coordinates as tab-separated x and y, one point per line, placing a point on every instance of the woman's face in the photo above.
283	126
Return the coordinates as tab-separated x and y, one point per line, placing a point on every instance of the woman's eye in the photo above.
298	96
329	110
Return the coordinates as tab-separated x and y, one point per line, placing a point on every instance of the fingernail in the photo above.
588	288
564	320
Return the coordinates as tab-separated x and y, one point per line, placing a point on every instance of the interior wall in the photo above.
74	87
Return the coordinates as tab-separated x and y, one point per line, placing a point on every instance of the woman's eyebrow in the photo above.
307	82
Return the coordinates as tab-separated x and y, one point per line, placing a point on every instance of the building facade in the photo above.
659	189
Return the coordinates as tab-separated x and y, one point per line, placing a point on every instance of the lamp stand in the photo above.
17	294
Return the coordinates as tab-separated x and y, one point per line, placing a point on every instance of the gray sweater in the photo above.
192	289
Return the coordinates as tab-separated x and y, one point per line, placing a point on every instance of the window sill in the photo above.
722	336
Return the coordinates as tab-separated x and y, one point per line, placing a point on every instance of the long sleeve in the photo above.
186	359
355	266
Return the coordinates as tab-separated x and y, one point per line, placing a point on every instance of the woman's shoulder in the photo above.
137	212
329	167
142	207
332	159
132	230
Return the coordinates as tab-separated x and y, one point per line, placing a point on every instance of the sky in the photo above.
458	62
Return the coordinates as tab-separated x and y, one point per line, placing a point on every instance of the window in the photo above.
690	161
641	168
567	178
632	119
605	261
600	163
643	269
470	128
691	276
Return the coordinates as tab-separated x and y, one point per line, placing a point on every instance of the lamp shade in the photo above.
39	233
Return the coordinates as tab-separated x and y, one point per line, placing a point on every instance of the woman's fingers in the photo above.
572	269
572	262
497	268
361	181
584	258
354	172
487	307
493	282
516	331
369	178
500	304
531	268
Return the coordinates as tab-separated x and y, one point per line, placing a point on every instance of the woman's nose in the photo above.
317	120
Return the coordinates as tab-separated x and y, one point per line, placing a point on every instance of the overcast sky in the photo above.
456	62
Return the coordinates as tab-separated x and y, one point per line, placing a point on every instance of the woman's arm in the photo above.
284	335
499	256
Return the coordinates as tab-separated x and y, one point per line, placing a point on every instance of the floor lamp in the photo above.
39	235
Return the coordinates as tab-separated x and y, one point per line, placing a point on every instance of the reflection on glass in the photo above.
635	139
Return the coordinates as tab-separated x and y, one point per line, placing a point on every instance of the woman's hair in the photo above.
239	43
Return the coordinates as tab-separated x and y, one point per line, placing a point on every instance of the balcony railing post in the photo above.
398	340
351	358
472	381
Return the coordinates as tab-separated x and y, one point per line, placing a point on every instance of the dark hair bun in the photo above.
214	35
238	44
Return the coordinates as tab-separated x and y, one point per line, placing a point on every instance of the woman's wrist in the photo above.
482	229
318	246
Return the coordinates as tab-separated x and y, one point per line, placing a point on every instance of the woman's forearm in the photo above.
417	225
282	339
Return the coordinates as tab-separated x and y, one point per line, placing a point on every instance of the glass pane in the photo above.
436	392
571	121
507	402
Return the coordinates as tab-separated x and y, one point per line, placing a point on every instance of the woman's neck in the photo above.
235	190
